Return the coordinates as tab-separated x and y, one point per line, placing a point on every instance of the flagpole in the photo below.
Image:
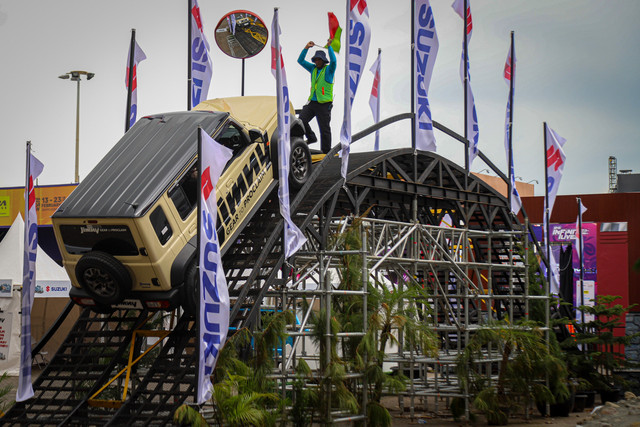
547	231
511	86
278	73
242	83
189	30
377	143
580	253
465	54
197	256
26	181
413	66
347	95
132	52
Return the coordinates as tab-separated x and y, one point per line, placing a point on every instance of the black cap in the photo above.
320	55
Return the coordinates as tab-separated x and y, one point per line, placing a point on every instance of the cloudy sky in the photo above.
577	70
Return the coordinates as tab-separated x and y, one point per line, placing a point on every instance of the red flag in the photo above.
335	32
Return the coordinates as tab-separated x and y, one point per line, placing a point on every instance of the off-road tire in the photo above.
299	163
189	290
103	277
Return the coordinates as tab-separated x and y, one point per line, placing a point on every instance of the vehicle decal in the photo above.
244	188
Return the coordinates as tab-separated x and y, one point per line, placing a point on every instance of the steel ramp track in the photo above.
95	347
169	382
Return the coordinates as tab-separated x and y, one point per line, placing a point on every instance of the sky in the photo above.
577	66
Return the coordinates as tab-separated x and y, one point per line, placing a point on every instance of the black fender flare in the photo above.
181	262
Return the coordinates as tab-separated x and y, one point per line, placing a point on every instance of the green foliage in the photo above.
243	394
377	415
239	405
4	391
598	359
537	307
304	397
526	361
185	415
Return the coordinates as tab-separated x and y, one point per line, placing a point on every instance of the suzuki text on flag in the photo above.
359	37
201	68
293	237
34	169
426	48
214	295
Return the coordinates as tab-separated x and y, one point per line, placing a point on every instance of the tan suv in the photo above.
128	231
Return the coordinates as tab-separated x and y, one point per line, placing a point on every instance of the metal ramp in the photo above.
94	348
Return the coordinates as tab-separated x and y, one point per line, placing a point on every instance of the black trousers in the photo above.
322	113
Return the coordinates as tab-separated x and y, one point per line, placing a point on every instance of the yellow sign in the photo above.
48	198
4	206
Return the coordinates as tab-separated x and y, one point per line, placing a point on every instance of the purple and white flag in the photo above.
426	44
356	57
471	126
138	56
214	295
374	98
293	237
514	198
201	68
34	169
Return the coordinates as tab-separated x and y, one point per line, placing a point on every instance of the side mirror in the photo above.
256	135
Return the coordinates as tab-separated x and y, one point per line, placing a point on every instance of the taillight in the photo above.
157	305
83	301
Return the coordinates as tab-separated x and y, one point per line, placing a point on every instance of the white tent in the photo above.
51	281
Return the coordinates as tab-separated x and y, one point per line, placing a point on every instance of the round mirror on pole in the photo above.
241	34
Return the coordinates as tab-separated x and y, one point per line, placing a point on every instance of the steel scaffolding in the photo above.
472	277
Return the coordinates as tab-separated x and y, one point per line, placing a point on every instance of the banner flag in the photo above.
214	295
359	36
471	126
515	202
507	73
138	56
335	32
293	237
233	24
34	169
426	44
555	164
201	68
374	98
581	210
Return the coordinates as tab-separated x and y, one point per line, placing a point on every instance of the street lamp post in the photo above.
75	76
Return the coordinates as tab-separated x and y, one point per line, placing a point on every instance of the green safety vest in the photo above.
319	86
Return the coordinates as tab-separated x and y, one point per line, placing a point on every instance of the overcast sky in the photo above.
577	70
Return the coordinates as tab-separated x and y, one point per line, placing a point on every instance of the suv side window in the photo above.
184	194
160	225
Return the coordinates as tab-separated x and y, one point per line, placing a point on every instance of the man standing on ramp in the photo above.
321	97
